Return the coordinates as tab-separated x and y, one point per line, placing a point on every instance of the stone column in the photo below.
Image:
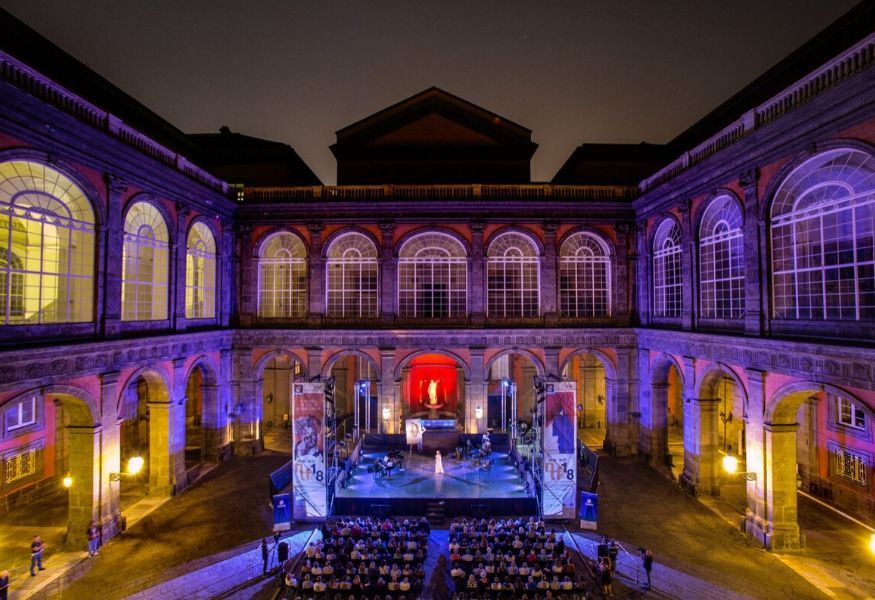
112	252
780	487
756	519
476	395
622	414
700	446
177	427
551	360
549	279
224	402
642	274
388	274
178	268
753	255
247	407
389	390
316	281
85	493
689	265
477	279
162	471
244	258
620	284
110	456
589	371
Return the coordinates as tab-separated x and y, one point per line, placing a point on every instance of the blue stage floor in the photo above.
418	480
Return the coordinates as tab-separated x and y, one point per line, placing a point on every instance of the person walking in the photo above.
438	463
36	554
93	536
647	561
605	578
4	585
265	555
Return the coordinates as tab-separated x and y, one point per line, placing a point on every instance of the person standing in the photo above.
4	585
265	554
36	554
93	537
647	560
438	463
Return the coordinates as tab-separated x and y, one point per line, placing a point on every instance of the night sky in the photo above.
295	71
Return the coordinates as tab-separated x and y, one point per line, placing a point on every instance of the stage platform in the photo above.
464	489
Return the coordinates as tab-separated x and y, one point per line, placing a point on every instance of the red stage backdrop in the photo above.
432	377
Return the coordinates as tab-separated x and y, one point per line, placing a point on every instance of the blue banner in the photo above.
589	510
282	512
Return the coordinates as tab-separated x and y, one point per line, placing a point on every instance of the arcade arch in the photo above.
204	434
275	373
591	370
146	432
356	381
509	380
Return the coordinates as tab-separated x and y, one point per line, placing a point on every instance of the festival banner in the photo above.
559	476
308	451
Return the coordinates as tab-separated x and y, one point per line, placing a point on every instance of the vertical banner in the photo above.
589	510
308	451
282	513
559	477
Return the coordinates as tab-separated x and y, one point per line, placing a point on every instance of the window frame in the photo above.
597	266
524	266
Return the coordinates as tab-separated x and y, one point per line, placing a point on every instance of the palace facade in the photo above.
711	297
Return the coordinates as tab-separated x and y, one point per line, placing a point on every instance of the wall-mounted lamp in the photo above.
730	465
67	482
478	412
135	465
387	412
872	543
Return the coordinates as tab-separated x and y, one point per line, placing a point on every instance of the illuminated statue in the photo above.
432	391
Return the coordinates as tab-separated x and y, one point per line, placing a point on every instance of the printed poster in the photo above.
308	451
560	450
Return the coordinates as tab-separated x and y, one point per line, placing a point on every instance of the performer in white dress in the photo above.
438	463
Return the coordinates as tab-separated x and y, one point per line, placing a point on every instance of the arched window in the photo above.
512	276
667	270
145	260
432	277
282	277
47	244
584	276
823	219
721	260
352	277
200	273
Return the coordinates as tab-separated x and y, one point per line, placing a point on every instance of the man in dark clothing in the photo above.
36	554
647	559
4	585
265	554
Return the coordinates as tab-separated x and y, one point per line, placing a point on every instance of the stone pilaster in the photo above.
549	280
110	425
642	274
244	258
700	446
85	493
178	260
177	427
756	518
316	281
388	273
112	245
477	279
689	267
620	284
754	309
389	390
226	296
780	487
622	413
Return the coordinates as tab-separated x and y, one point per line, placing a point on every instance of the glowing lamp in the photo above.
67	481
730	464
872	543
478	412
135	465
386	413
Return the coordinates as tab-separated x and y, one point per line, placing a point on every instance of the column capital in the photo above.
476	226
110	378
315	228
550	227
387	227
115	184
748	180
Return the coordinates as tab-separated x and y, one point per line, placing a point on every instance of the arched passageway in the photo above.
356	390
588	371
276	409
510	392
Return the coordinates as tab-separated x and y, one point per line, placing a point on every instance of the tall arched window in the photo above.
145	260
282	277
667	270
352	277
432	277
823	219
47	243
721	260
584	276
512	276
200	273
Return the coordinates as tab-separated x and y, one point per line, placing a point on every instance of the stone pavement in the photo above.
244	565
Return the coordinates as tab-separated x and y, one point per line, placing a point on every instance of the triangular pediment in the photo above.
433	130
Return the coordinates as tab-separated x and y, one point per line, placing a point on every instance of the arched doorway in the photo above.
588	371
145	432
667	417
726	428
433	386
510	391
276	409
356	390
204	431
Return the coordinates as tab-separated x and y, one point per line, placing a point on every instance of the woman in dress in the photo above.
438	463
